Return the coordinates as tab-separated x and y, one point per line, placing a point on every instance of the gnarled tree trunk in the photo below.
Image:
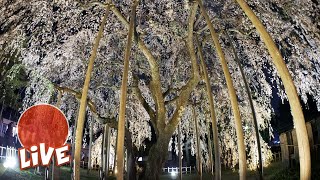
157	157
294	101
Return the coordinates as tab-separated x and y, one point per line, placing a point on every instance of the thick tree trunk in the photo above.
232	94
123	96
83	101
298	118
213	117
253	112
158	154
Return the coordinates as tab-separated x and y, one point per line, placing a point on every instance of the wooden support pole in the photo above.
83	100
253	112
290	89
212	115
123	96
232	94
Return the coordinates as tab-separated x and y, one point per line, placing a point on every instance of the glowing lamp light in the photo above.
10	162
173	173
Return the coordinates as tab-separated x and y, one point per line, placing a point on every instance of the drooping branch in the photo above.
59	99
93	3
199	154
169	91
111	121
144	103
182	99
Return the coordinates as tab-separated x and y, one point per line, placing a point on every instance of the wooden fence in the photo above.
277	157
185	170
6	152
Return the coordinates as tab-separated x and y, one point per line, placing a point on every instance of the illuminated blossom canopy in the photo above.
54	40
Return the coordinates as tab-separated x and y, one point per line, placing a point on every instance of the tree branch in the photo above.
182	100
87	5
111	121
155	84
144	103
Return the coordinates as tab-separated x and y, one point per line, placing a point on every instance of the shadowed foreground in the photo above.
275	172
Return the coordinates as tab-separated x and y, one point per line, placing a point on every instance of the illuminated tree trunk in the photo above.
296	111
232	94
253	112
199	162
213	117
180	153
123	97
83	101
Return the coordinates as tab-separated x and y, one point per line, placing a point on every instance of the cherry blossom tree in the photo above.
54	40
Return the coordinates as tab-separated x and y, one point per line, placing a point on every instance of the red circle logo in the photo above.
42	123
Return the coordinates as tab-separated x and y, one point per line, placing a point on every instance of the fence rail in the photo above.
185	170
276	156
7	151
